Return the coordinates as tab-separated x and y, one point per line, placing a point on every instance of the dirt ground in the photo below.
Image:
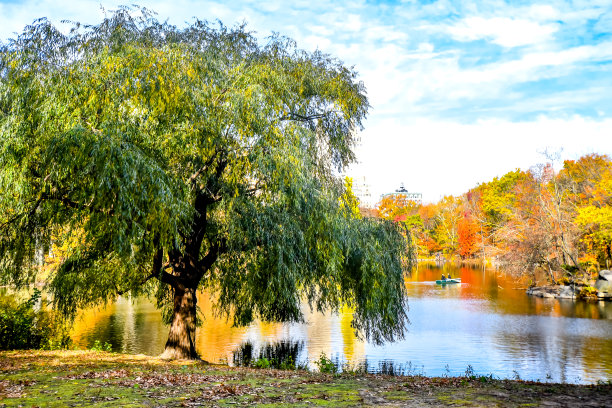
101	379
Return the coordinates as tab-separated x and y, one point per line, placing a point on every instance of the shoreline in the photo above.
64	378
569	292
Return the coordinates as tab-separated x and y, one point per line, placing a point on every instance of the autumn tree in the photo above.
396	207
559	214
404	212
467	236
427	238
526	235
185	159
447	218
590	180
540	231
497	198
485	229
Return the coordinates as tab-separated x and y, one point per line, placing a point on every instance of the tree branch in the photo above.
195	175
302	118
170	279
155	269
72	204
17	216
218	248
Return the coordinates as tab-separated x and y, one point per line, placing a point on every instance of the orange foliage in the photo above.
430	245
395	206
467	232
428	214
535	219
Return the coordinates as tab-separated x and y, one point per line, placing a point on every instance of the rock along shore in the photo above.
603	286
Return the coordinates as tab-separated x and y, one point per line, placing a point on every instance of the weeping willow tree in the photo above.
174	160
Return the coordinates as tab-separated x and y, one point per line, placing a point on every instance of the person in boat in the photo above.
443	278
449	277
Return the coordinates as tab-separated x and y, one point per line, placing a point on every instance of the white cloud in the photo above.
316	42
320	30
507	32
352	22
425	47
437	80
445	157
543	12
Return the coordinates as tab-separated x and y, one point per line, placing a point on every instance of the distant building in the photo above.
361	189
357	173
405	194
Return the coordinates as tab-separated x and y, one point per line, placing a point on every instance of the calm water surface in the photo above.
483	323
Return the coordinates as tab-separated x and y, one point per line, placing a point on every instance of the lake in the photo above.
482	325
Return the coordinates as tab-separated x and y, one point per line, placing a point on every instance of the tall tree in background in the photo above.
526	236
467	236
590	180
426	240
558	216
181	159
405	213
447	219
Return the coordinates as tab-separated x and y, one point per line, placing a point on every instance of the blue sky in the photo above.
461	92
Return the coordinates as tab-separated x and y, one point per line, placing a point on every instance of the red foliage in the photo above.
467	231
401	217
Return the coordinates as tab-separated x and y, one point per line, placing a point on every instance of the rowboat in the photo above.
448	281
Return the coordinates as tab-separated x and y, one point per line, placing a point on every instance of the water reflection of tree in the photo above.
498	288
554	351
122	324
354	348
279	354
525	331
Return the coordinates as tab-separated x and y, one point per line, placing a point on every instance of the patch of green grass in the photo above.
462	402
63	393
397	396
101	379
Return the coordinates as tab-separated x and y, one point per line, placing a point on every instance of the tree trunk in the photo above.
181	339
552	275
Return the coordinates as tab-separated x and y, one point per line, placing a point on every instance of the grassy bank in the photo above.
76	378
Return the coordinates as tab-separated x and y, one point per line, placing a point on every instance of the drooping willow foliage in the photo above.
161	158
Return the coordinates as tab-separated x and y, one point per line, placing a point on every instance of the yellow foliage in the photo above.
348	202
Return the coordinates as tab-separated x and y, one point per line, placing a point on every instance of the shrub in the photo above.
469	372
587	292
326	365
26	326
98	346
262	363
566	281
